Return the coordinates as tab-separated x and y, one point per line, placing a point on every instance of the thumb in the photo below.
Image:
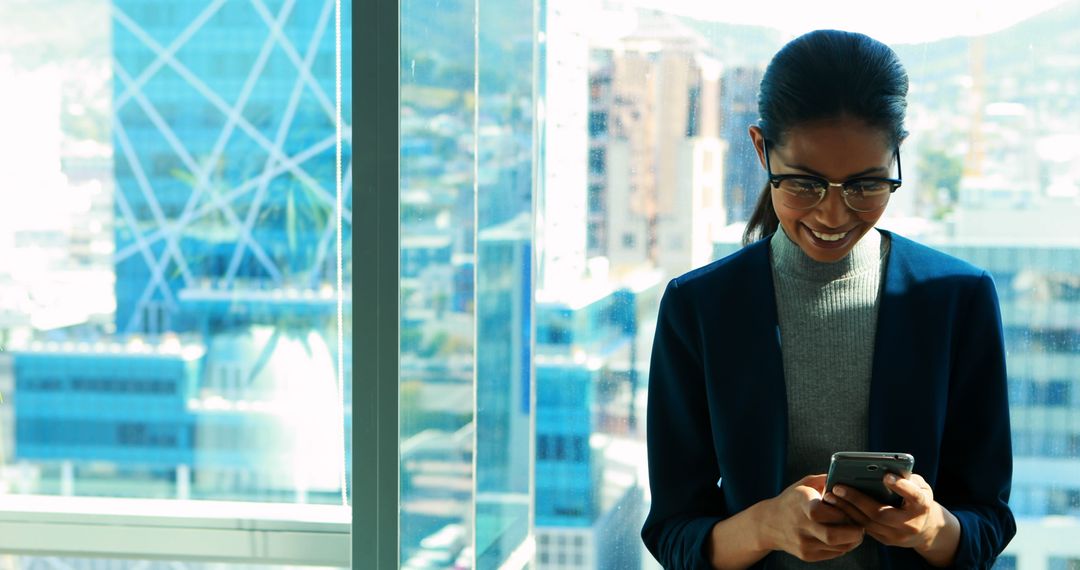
817	481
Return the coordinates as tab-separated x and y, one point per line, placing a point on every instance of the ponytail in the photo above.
763	222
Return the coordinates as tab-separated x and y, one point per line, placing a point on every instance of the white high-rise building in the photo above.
564	115
694	214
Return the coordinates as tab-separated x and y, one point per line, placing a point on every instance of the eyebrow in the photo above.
872	170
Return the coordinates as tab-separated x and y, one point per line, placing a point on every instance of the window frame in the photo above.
376	498
174	530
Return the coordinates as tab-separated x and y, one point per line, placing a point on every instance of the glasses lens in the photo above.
868	195
802	193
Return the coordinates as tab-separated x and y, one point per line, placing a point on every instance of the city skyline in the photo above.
526	313
657	86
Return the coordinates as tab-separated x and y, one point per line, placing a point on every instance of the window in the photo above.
543	175
190	213
597	163
597	124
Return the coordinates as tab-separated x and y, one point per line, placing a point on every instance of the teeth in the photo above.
829	237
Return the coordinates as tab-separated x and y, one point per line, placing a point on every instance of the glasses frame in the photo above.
845	186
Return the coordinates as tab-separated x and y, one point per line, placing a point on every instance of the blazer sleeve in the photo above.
683	471
975	475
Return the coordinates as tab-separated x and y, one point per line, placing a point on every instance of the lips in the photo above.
830	236
831	239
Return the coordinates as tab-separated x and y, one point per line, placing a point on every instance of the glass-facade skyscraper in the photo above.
224	135
219	371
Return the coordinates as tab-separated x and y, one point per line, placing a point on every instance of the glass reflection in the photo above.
177	274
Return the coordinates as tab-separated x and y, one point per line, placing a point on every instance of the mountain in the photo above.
438	38
1043	46
736	44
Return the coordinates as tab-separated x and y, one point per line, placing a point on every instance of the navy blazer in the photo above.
717	412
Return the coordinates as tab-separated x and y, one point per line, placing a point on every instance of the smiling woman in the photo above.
826	356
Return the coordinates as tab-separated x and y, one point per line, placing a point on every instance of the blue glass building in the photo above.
105	403
224	137
588	500
1039	290
742	173
567	472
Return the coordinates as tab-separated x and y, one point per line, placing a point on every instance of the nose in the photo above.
832	211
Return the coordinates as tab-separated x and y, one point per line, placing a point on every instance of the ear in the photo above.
758	138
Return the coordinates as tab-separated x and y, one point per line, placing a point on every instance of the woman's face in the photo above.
837	150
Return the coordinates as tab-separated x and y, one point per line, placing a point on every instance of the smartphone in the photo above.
865	470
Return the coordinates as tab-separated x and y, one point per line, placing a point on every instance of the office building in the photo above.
588	496
655	157
225	224
743	176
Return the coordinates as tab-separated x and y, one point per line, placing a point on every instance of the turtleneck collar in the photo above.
790	259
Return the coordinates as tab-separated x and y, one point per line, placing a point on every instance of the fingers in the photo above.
840	536
813	483
851	512
825	513
918	480
816	482
889	525
809	490
820	531
866	511
826	543
820	553
866	506
873	527
917	497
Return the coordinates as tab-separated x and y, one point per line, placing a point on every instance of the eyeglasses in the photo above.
863	194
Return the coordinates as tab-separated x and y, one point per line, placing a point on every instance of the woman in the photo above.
828	335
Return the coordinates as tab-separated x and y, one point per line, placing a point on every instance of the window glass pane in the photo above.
594	286
437	281
466	276
637	169
505	158
661	175
172	316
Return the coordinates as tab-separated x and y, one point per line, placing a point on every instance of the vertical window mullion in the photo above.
376	245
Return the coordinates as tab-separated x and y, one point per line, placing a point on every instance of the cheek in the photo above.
789	217
871	218
778	206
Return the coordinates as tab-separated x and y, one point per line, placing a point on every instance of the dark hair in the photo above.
827	74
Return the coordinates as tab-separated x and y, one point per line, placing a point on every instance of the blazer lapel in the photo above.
756	401
903	397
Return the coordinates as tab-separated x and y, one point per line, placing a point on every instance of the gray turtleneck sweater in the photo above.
827	315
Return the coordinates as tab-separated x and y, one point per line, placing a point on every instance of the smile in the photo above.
830	237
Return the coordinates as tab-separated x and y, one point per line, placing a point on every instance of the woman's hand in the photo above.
798	523
920	523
